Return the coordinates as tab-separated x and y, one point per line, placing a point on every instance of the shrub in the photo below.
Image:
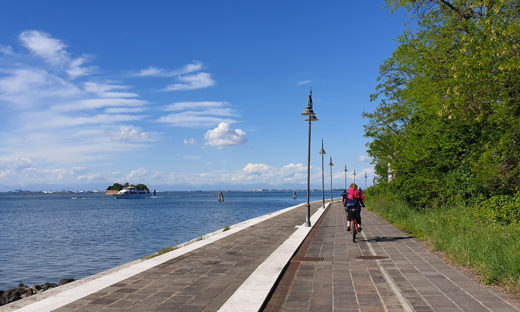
503	209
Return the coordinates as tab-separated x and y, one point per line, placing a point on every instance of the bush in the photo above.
502	209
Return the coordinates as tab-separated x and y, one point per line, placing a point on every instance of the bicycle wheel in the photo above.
354	231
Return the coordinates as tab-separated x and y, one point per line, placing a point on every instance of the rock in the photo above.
23	291
66	281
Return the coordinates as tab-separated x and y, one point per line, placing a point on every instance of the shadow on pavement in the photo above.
387	239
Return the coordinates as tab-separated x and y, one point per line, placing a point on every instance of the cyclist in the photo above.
355	199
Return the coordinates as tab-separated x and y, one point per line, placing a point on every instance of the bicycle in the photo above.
353	214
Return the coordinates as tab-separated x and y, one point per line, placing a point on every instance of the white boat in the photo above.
294	195
220	197
130	192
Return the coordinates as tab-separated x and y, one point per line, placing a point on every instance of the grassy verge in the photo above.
491	250
160	252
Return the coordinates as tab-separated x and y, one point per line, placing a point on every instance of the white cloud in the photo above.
223	136
257	168
364	159
190	141
151	71
31	87
122	110
92	104
193	105
107	90
129	134
192	82
193	120
200	114
53	51
53	118
44	46
8	50
303	82
160	72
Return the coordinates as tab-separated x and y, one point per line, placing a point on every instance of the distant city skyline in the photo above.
184	95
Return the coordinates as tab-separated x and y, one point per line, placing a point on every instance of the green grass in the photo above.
490	249
160	252
226	228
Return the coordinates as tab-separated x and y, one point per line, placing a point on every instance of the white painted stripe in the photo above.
84	287
406	305
251	295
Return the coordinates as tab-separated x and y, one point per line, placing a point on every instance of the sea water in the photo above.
47	237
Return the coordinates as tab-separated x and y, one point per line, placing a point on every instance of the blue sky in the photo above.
185	95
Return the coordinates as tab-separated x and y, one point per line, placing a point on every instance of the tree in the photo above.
448	120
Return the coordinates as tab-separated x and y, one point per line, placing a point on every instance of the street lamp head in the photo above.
308	110
330	163
345	169
311	118
322	151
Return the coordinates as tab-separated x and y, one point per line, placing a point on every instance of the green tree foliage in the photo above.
115	187
447	123
118	187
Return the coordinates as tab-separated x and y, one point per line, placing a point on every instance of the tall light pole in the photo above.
322	152
354	176
365	180
310	118
331	164
346	176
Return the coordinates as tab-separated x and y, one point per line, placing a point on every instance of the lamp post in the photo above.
330	165
310	118
322	152
346	176
365	180
354	176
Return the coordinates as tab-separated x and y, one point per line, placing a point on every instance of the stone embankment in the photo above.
24	291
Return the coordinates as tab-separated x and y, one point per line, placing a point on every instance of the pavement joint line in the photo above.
251	295
404	303
91	284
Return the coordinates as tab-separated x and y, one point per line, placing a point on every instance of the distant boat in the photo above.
131	192
220	197
293	195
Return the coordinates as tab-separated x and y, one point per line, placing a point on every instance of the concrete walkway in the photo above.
327	274
237	270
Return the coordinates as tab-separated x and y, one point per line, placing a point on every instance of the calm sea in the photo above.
47	237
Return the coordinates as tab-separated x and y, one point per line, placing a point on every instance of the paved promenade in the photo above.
236	272
327	274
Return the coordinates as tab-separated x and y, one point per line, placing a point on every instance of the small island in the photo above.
112	190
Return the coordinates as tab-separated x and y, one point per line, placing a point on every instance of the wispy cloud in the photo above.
303	82
53	51
190	141
199	114
130	134
192	82
365	159
193	105
54	118
6	49
107	90
223	136
160	72
193	120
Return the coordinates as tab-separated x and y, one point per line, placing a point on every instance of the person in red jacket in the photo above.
355	199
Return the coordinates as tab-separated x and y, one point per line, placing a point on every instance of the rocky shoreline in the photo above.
24	291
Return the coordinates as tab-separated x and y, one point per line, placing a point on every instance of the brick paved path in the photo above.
201	280
410	279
